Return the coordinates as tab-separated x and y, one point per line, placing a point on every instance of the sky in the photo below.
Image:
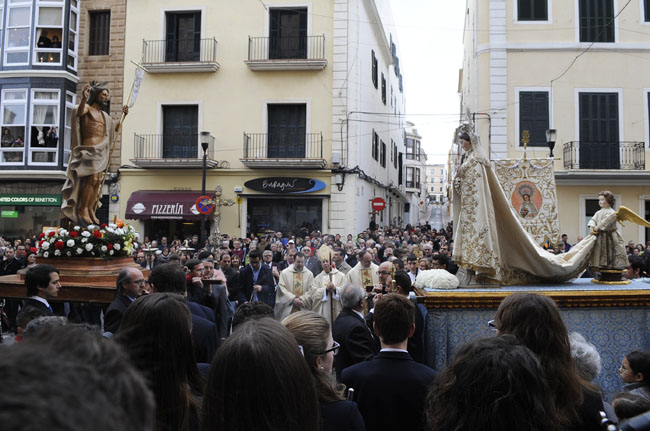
430	39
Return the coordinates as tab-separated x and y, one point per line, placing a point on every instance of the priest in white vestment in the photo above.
364	272
323	297
293	287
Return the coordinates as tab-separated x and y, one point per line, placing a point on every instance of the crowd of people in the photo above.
314	332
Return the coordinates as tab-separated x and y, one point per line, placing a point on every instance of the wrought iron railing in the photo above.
179	51
171	146
283	145
625	155
286	48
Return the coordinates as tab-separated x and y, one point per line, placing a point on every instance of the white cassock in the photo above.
318	300
363	276
292	284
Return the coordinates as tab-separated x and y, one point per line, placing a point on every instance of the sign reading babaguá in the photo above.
285	185
35	200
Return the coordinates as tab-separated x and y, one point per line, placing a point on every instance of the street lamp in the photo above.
550	139
205	142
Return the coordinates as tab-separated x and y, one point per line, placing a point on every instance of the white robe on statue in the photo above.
292	284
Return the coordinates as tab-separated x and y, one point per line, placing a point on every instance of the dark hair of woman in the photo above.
536	322
492	384
156	333
640	363
311	331
259	380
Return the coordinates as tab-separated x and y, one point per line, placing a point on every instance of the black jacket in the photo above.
356	340
265	279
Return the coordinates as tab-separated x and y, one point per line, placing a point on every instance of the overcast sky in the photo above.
430	37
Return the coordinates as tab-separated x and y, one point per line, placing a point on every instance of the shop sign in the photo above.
9	214
285	185
31	200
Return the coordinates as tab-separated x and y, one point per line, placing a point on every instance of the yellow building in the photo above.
578	67
273	86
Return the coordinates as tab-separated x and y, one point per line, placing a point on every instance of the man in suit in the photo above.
205	337
267	258
42	283
350	331
312	263
339	261
10	265
390	389
256	281
129	283
291	255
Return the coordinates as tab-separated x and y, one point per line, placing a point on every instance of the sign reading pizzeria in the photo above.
285	185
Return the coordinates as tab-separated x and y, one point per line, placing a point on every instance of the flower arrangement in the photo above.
436	279
107	240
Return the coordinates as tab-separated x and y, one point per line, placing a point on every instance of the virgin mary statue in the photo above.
490	244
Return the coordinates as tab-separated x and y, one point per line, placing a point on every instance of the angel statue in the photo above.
608	255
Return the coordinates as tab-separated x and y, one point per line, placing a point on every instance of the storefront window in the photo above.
285	215
18	32
12	143
25	221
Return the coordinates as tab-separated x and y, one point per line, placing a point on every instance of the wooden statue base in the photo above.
83	279
611	277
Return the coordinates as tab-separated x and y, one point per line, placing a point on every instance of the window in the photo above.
599	131
596	20
373	59
442	171
417	178
375	145
288	37
412	149
395	157
534	117
17	41
100	32
44	134
183	36
400	166
383	89
287	129
410	182
70	99
532	10
382	155
646	10
14	120
73	34
48	34
180	131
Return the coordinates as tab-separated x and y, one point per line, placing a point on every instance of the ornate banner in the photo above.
529	185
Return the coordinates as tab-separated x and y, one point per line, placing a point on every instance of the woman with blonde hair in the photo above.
312	332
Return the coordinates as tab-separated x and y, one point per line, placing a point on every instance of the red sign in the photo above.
204	205
378	204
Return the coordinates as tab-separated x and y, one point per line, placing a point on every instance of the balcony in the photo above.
283	151
587	155
180	55
172	151
286	53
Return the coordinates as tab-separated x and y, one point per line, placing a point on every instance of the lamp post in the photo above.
205	142
550	139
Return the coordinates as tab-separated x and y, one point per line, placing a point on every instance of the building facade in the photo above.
277	89
415	160
436	183
579	68
39	69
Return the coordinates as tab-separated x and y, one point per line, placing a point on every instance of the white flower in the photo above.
110	229
92	227
436	279
89	247
77	228
117	247
104	248
45	245
57	252
85	234
52	240
112	225
67	253
79	250
63	232
70	243
111	252
84	240
119	231
46	254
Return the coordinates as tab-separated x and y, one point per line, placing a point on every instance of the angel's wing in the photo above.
626	214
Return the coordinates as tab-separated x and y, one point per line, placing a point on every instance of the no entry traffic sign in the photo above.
378	204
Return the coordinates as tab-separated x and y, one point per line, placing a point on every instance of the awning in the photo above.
163	204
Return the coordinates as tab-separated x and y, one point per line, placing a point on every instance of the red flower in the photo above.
41	235
59	245
103	225
51	234
74	234
40	243
33	249
109	246
97	234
